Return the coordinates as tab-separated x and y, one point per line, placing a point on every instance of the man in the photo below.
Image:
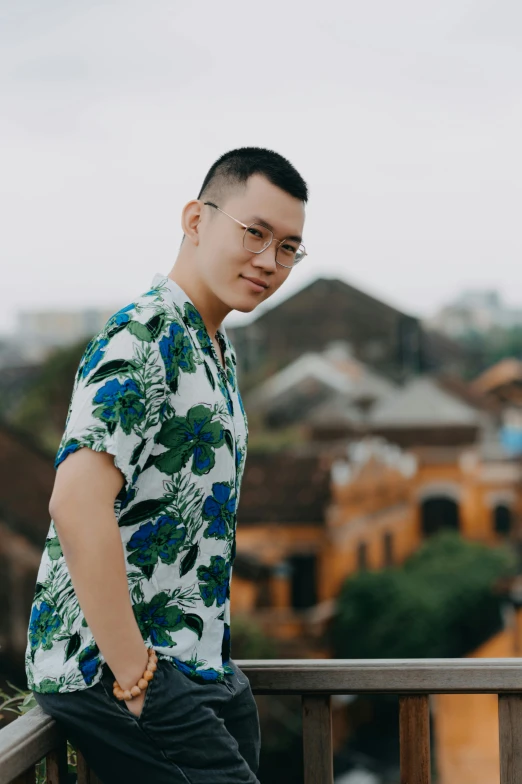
142	538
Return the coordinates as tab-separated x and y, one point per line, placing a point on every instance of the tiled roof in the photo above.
422	403
284	487
506	371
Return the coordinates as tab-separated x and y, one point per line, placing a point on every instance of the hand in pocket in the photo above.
136	704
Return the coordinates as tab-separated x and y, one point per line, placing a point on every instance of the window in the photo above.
362	556
388	549
304	590
439	513
502	519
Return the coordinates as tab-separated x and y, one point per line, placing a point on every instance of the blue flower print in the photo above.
120	403
120	318
214	581
68	448
93	355
193	318
220	509
202	674
127	495
162	539
156	619
177	354
89	662
43	625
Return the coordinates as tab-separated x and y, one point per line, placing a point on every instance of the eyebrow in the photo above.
295	237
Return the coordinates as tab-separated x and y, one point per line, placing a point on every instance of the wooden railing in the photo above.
33	736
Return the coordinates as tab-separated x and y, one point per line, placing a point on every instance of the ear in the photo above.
190	219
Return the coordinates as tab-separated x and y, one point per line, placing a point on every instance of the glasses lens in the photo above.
290	253
257	238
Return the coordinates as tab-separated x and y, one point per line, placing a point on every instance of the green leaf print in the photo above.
49	686
214	581
177	354
209	376
140	331
161	540
229	440
73	646
43	626
195	623
156	620
54	548
112	368
189	560
141	511
155	325
120	404
195	436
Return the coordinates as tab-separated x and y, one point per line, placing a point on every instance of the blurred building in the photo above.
26	482
391	342
475	311
37	333
501	386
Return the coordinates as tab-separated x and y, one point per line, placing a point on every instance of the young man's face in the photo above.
231	272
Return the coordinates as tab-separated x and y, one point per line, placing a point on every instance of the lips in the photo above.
257	282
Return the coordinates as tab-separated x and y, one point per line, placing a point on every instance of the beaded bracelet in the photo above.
148	675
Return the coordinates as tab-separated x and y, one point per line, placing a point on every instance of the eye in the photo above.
289	249
255	232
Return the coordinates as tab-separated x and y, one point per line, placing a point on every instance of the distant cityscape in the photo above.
38	332
369	433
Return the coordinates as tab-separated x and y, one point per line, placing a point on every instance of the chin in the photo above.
244	306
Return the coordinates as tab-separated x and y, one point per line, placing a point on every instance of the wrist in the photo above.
142	683
128	676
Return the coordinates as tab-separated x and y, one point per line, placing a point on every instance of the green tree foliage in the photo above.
441	603
487	348
43	409
249	641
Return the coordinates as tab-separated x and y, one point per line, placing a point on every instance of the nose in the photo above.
266	259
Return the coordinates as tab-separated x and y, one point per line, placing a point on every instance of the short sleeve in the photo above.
117	401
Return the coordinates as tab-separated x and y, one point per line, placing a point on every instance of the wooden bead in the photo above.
115	685
142	683
127	695
152	666
135	691
148	675
118	693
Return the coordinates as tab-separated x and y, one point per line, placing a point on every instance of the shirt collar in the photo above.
189	313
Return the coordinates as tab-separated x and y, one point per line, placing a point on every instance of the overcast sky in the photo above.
405	118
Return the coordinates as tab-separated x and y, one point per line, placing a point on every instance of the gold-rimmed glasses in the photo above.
258	238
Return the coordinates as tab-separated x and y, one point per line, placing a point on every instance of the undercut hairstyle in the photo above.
235	167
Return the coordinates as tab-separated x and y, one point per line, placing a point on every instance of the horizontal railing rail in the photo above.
30	738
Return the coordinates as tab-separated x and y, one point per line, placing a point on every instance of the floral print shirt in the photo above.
151	391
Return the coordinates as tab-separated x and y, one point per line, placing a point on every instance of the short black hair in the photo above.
236	166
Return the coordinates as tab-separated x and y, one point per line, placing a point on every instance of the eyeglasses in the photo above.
258	238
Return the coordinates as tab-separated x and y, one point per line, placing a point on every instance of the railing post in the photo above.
414	728
510	738
84	774
317	739
56	764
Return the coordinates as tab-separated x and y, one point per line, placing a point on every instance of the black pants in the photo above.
187	732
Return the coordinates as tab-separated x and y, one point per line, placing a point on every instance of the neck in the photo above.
210	308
